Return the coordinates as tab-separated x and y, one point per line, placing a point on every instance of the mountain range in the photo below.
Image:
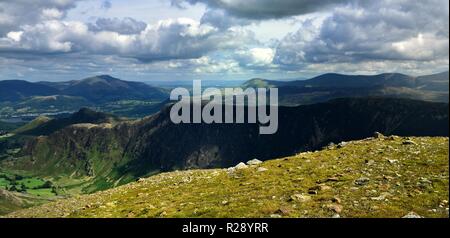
96	89
328	86
112	152
96	148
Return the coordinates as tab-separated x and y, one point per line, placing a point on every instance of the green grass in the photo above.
42	192
401	178
32	183
4	183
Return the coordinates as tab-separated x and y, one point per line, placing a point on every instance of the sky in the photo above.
145	40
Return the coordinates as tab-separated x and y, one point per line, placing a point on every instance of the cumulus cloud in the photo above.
383	30
346	36
265	9
168	39
14	14
255	57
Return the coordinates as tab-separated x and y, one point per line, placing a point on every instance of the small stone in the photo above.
224	202
315	189
275	216
241	166
333	179
362	181
282	211
425	180
336	200
378	135
370	162
300	198
392	161
140	180
254	162
342	144
409	142
335	208
330	146
412	215
336	216
261	169
392	137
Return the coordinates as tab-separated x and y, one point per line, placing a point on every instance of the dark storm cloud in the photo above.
222	20
265	9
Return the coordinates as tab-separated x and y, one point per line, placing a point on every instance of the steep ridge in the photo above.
84	115
116	154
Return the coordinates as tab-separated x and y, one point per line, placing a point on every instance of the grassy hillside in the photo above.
377	177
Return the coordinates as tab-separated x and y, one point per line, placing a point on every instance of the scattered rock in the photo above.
300	198
335	208
362	181
382	197
392	137
254	162
378	135
241	166
412	215
333	179
283	211
336	200
224	202
330	146
392	161
140	180
409	142
316	189
425	180
261	169
275	216
336	216
370	162
342	144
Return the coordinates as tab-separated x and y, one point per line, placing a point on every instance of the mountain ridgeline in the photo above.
115	152
22	99
96	89
329	86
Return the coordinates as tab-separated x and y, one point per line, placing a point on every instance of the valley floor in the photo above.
377	177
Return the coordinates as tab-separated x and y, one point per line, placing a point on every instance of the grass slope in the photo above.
376	177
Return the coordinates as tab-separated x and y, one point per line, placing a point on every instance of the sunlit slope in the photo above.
377	177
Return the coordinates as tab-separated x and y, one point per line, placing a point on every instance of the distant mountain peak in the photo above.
106	77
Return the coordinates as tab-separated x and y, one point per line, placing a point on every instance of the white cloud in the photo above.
168	39
381	31
256	57
14	14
